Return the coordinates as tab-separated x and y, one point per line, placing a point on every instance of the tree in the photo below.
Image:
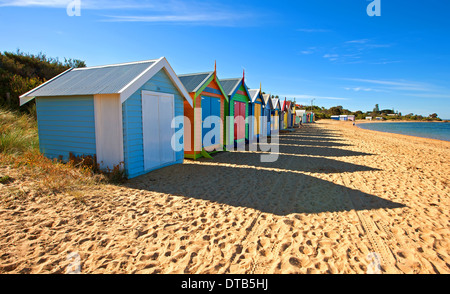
376	110
20	72
434	115
336	110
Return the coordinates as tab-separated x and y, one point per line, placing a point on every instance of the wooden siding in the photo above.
211	90
66	125
132	122
230	113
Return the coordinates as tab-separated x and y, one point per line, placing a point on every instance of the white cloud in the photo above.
388	83
310	97
361	41
331	57
313	30
162	11
399	87
26	3
446	96
185	18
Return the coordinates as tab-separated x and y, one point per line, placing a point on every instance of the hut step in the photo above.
205	154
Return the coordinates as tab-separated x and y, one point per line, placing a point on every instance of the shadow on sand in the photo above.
278	193
240	179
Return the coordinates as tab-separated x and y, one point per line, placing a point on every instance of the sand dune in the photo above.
339	200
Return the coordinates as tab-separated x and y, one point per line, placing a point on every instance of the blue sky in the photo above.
326	50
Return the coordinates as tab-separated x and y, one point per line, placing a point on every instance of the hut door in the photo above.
210	108
257	118
157	116
269	121
239	120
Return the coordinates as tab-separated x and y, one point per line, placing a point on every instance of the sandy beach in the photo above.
340	199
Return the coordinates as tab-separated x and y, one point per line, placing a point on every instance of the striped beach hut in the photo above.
275	115
295	120
256	111
268	115
286	111
120	114
207	116
290	117
237	131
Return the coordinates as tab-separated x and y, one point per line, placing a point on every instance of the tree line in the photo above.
21	72
385	114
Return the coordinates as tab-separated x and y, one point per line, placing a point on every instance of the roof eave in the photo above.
25	98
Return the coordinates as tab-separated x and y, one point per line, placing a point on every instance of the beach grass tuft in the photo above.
41	176
18	132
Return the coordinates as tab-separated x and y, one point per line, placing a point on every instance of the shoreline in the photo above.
386	132
399	121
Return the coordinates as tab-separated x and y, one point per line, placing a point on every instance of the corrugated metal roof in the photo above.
275	102
229	85
267	99
253	94
192	82
93	80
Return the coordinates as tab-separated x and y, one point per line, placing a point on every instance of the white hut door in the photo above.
157	115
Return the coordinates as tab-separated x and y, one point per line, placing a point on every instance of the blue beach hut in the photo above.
121	114
256	111
275	116
268	115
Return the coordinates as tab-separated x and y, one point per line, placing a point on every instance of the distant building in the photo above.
343	117
368	118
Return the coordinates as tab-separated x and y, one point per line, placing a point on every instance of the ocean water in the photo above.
433	130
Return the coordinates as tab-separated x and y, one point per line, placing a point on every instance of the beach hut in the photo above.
343	117
237	131
256	111
275	116
289	114
286	111
267	129
293	115
298	117
335	117
206	117
301	114
120	114
283	115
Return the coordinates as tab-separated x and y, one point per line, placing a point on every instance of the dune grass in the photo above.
27	167
18	132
